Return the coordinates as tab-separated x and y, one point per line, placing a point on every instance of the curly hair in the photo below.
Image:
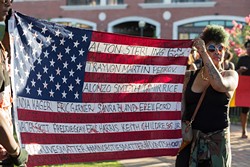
215	33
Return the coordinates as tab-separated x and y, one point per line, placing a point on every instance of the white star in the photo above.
26	57
84	38
51	93
44	29
62	42
27	90
58	86
52	63
78	81
30	26
65	64
34	51
58	71
29	42
76	44
67	50
64	94
45	69
73	58
81	52
59	56
71	87
21	48
45	85
26	73
51	78
76	95
46	54
32	67
71	73
21	81
79	66
40	45
21	63
57	33
33	83
25	32
39	76
71	35
64	79
48	39
54	47
39	92
35	35
39	61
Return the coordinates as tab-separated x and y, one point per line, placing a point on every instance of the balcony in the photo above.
177	3
94	4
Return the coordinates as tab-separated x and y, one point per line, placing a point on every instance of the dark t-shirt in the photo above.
213	112
198	63
244	61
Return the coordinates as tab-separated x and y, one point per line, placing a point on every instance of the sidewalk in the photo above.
240	153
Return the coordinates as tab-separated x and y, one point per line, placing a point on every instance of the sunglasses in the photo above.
212	48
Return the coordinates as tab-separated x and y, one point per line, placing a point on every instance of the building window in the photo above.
192	30
83	2
132	28
175	1
94	2
114	2
153	1
78	25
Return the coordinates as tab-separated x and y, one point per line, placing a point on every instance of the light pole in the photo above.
141	25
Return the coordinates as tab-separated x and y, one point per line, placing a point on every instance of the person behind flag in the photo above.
10	151
228	64
211	136
243	68
191	58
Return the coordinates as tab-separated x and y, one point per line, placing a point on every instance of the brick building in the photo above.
171	19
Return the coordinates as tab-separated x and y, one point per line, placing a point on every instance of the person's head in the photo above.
194	53
4	8
216	39
247	46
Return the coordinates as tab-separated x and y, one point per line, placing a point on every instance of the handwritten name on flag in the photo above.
83	95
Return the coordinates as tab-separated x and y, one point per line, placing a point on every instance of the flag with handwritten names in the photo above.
83	95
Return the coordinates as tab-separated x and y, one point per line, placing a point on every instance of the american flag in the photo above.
83	95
